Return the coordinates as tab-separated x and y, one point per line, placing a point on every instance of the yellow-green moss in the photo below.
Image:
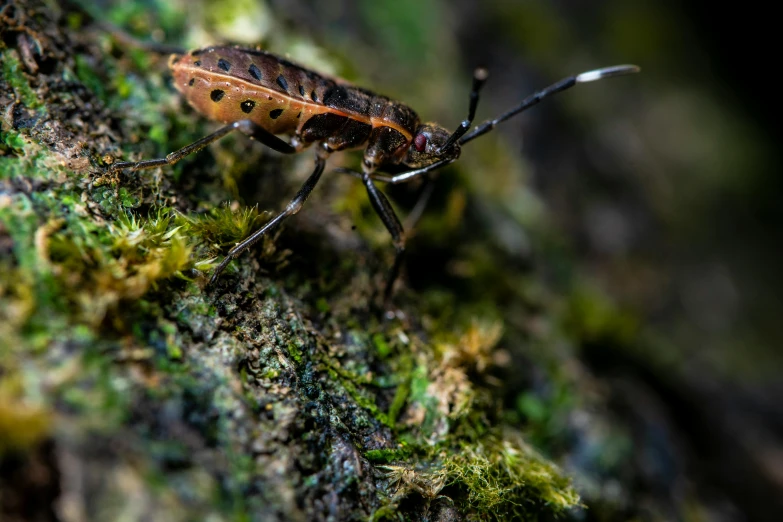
504	476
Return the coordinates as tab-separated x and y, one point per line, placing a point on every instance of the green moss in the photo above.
505	477
16	78
117	262
13	140
28	160
387	456
241	20
141	18
222	226
381	346
497	477
360	395
127	199
403	390
294	352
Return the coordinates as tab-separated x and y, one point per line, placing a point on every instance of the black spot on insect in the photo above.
197	63
224	65
299	115
282	83
301	90
269	98
275	113
247	106
216	95
314	96
255	72
192	81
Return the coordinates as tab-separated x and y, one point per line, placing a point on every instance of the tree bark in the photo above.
132	389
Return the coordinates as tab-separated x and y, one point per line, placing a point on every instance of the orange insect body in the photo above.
230	84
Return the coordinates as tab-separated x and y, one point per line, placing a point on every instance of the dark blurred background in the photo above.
649	206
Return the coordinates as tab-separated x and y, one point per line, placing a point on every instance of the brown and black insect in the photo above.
263	95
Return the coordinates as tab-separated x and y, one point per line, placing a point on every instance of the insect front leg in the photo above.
292	208
402	177
384	209
421	202
424	194
246	127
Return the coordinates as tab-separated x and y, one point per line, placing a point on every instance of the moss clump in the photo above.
101	267
451	455
11	66
504	476
225	226
495	477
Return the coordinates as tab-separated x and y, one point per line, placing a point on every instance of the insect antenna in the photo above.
533	99
480	76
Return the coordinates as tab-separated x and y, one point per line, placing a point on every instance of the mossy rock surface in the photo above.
281	393
507	384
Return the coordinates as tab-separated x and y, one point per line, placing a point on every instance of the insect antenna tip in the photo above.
607	72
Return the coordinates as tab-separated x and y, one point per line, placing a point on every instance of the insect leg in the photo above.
409	175
245	126
384	209
292	208
260	134
396	178
421	202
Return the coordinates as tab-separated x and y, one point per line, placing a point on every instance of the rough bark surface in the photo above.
506	386
135	390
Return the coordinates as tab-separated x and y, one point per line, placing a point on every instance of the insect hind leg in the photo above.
292	208
246	127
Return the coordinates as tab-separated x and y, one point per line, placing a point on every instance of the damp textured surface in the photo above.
130	389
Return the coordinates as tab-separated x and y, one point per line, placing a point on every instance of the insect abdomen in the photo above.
229	84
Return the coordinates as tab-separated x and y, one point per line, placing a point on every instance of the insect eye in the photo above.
420	141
